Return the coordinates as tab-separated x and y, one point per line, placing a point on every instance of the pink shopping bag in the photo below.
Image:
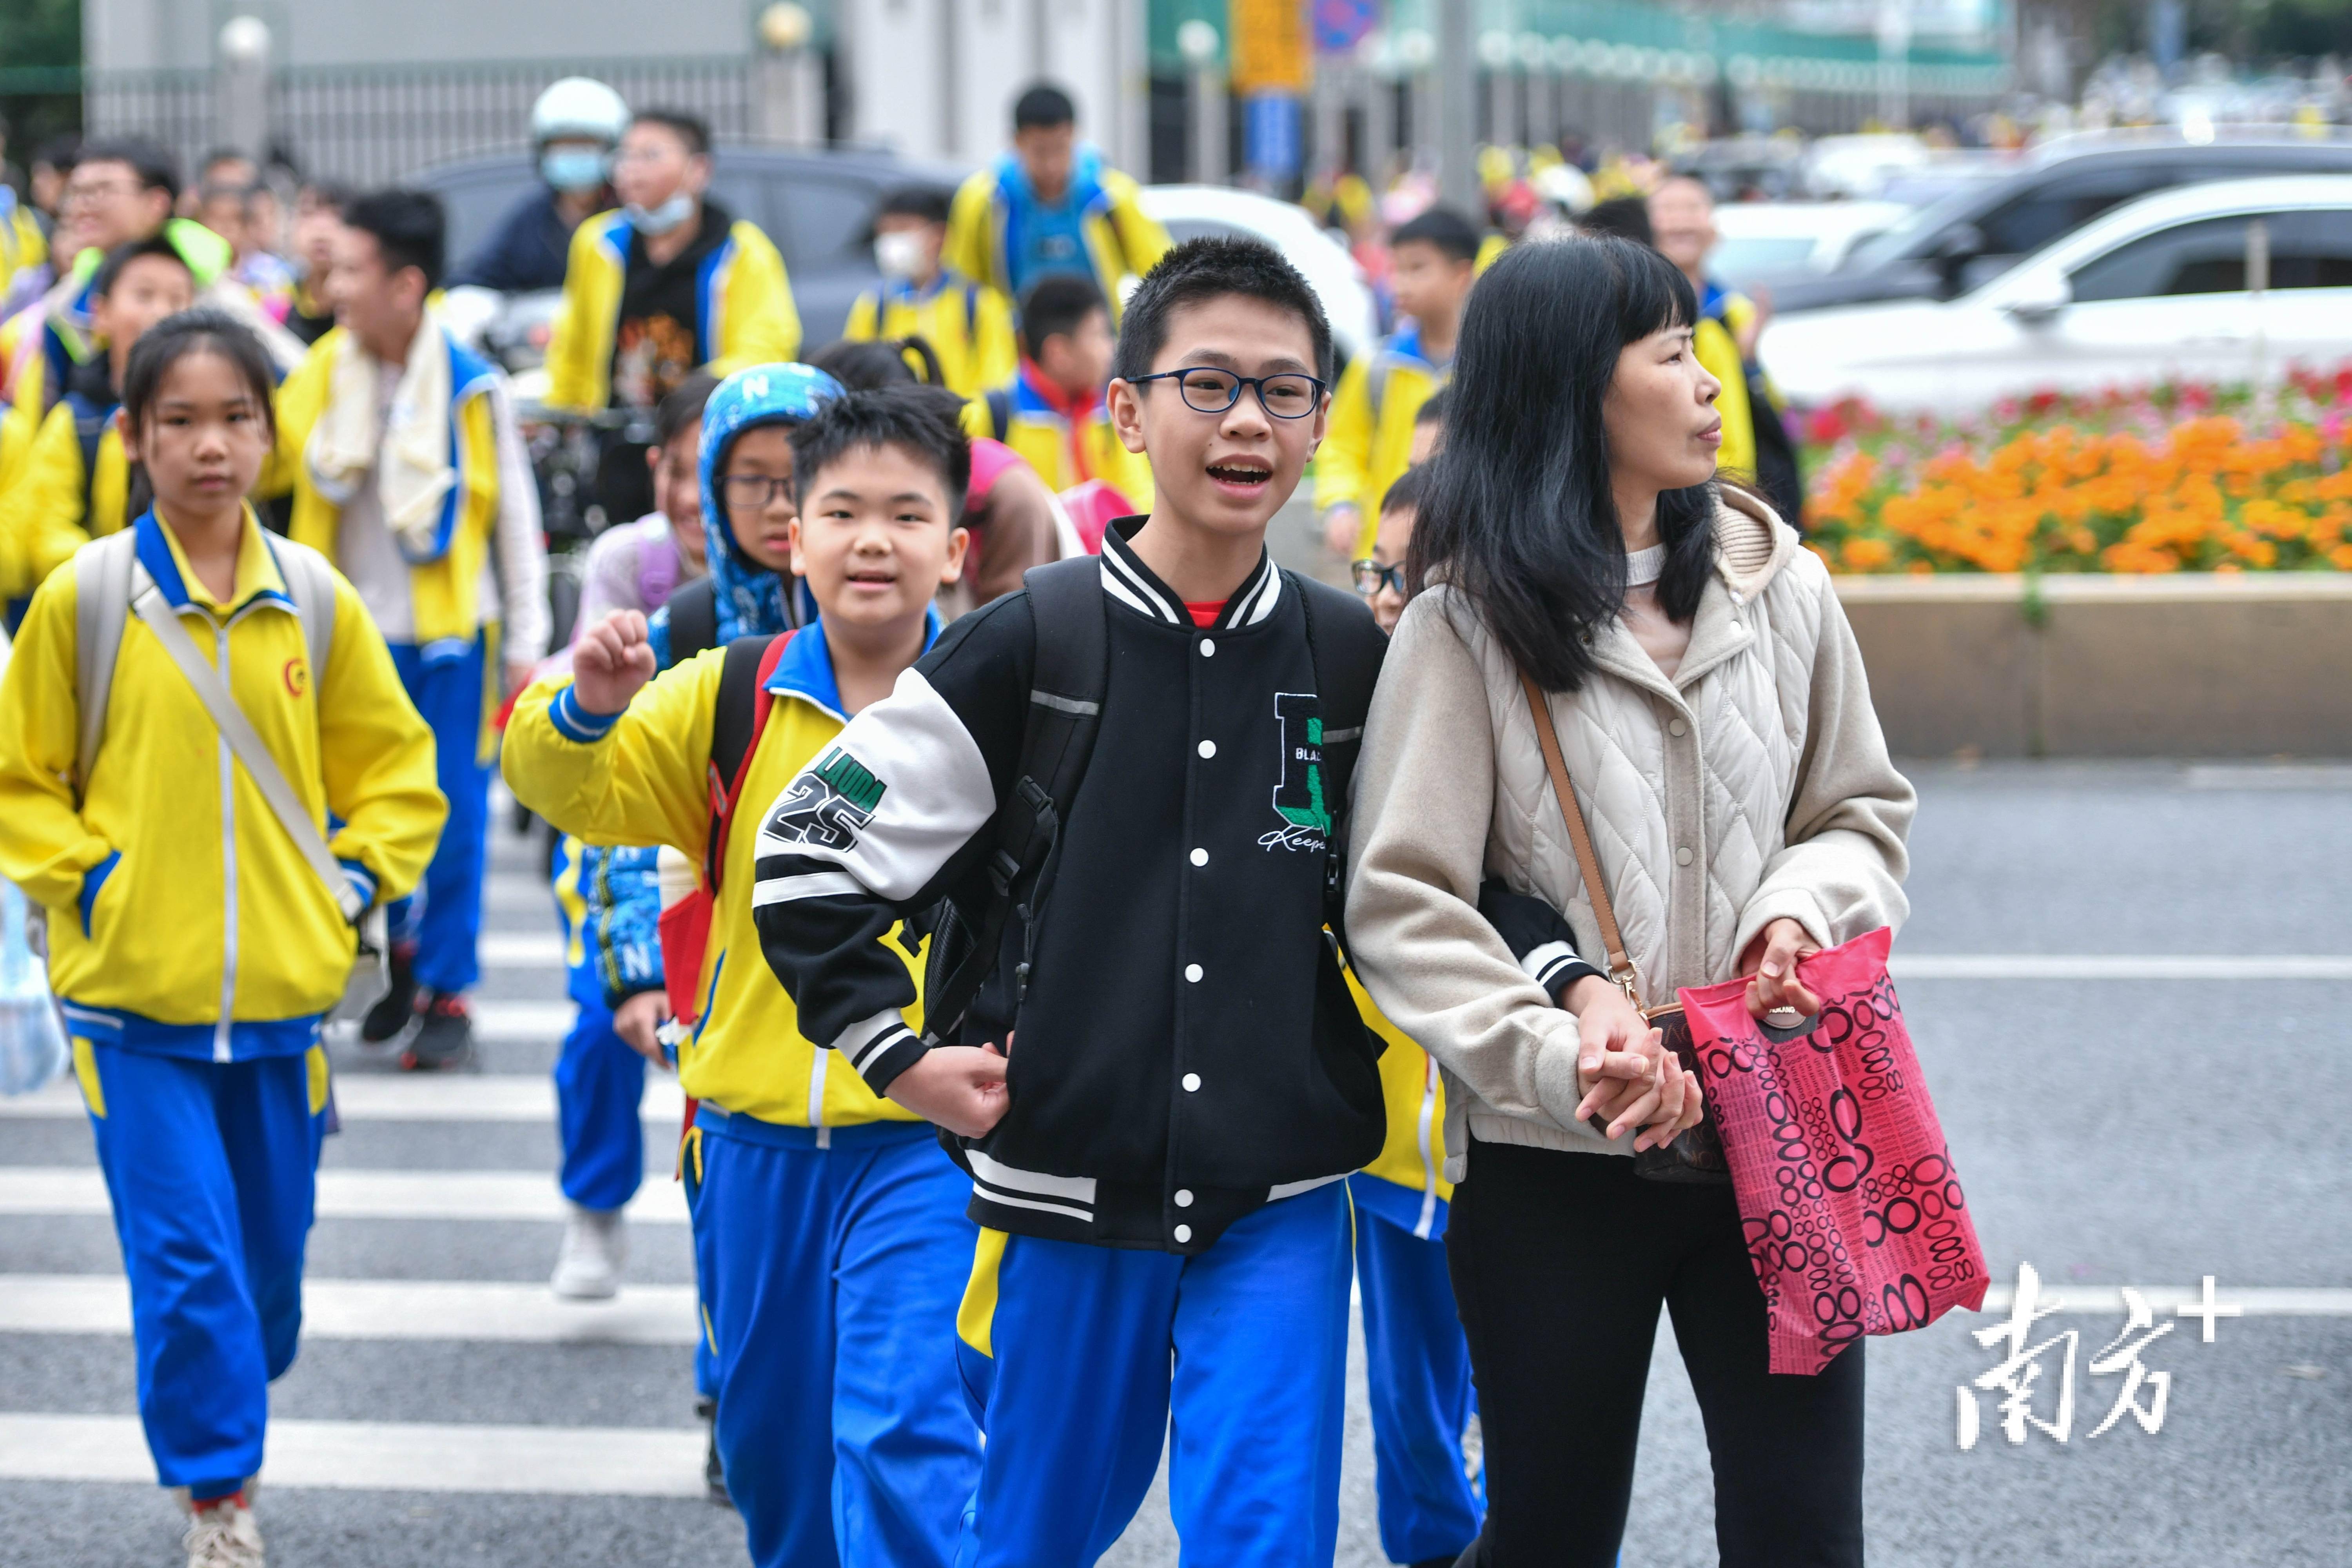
1854	1215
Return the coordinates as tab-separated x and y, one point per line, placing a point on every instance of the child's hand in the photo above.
959	1088
611	663
639	1022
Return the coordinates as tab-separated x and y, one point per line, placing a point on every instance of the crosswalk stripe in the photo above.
498	1022
392	1456
386	1097
361	1195
2253	1300
463	1309
2119	966
520	950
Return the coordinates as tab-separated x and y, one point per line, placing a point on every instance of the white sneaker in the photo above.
595	1245
223	1536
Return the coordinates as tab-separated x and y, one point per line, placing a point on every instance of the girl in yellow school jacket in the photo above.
195	948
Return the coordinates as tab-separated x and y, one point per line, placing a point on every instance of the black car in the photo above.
818	206
1976	235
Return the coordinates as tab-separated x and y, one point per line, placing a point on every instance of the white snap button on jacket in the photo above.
1682	857
1208	748
1183	1233
1183	1197
1207	649
1192	971
1676	727
1200	856
1738	630
1192	1082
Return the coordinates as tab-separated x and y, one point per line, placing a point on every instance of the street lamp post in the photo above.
1198	42
241	87
1457	96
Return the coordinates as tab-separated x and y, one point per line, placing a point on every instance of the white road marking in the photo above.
2268	777
405	1097
520	950
383	1310
392	1455
2259	1300
361	1195
499	1023
2119	966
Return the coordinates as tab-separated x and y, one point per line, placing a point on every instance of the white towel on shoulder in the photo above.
406	444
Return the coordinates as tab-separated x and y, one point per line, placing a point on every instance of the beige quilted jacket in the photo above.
1753	784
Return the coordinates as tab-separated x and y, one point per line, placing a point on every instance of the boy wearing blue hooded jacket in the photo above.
829	1225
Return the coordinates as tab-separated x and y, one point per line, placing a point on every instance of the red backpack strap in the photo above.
726	785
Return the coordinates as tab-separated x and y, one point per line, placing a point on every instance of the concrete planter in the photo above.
2198	665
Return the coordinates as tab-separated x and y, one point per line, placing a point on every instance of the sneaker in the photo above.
223	1535
445	1034
396	1007
595	1245
714	1474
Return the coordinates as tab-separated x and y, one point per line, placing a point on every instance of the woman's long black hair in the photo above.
201	331
1519	515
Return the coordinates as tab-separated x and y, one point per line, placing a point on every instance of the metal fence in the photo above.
371	125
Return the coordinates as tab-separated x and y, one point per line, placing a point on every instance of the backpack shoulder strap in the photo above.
310	584
693	620
89	433
101	609
738	721
1000	412
1346	646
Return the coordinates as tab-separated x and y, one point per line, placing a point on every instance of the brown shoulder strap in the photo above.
1588	865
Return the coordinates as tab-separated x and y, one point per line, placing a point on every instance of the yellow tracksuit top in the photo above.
1367	439
969	326
445	591
22	244
1041	433
188	877
1121	239
1414	1156
644	781
42	517
746	304
1718	352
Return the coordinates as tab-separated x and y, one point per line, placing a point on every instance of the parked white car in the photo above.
2150	291
1188	212
1762	240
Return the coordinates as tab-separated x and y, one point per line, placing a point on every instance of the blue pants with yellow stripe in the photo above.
449	681
830	1261
1076	1356
1417	1368
210	1168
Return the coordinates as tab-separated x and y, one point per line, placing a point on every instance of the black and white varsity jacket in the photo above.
1185	1049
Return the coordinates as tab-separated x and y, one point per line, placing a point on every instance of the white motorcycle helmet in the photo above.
576	109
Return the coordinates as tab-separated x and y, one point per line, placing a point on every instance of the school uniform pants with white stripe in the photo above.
447	682
830	1262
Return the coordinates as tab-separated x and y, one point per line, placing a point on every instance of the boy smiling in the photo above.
1128	781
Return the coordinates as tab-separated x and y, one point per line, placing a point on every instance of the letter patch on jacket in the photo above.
1298	796
825	806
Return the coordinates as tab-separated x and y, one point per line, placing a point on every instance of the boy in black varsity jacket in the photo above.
1162	1089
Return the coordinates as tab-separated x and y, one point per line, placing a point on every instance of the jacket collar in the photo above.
258	576
1405	346
804	669
1751	547
1127	579
1040	392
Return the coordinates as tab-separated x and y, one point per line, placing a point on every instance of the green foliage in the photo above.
40	41
40	32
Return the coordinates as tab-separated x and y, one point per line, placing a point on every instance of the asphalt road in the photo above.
2110	1132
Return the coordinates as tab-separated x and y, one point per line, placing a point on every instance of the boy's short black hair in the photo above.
1057	303
1455	236
1434	407
920	420
1627	217
332	193
1042	108
690	129
1407	493
862	364
152	165
1208	268
682	405
59	153
409	228
109	272
925	201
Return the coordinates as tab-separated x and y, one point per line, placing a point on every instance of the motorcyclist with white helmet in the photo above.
575	127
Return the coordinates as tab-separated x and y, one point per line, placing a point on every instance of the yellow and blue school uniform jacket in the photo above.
21	243
968	324
445	583
996	218
643	778
184	919
1368	440
744	302
73	486
1035	422
1412	1192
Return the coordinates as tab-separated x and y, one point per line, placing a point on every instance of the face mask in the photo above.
899	253
660	219
572	168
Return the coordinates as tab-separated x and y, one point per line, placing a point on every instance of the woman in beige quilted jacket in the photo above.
1716	722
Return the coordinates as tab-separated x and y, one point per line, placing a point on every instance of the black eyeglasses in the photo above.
1290	395
1371	576
746	492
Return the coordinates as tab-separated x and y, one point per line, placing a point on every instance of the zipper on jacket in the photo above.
1428	1159
222	1028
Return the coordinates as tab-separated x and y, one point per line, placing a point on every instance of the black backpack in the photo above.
1073	670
